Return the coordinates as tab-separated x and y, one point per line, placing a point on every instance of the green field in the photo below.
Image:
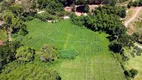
134	63
94	62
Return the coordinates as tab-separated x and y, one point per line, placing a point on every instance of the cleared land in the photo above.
137	10
94	62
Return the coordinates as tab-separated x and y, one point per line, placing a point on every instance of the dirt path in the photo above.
137	10
126	23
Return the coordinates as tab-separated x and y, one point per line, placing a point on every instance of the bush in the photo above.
78	20
130	4
68	54
45	16
49	53
23	32
86	9
25	54
133	72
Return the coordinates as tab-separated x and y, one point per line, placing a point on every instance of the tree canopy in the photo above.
49	53
25	53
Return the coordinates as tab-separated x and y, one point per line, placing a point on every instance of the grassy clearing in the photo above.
137	21
129	14
134	63
94	61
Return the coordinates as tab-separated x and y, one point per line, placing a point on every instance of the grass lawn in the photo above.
94	62
134	63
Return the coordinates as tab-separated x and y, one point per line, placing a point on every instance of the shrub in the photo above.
133	72
25	54
49	53
68	54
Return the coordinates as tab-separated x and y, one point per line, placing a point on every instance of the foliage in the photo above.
4	5
120	11
135	3
130	4
115	47
25	54
126	40
85	2
68	54
86	9
13	22
132	73
29	70
7	53
104	19
78	20
49	53
16	9
54	7
45	16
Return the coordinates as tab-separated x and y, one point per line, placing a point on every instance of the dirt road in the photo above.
137	10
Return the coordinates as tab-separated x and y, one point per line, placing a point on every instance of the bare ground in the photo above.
136	12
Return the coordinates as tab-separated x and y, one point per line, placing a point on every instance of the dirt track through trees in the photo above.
137	10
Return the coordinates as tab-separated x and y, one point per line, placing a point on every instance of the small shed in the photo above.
66	17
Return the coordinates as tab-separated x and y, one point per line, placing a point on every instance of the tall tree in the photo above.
8	17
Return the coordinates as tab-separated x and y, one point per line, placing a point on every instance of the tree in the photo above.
67	2
13	23
7	53
81	2
17	10
8	18
4	5
54	7
115	47
86	9
126	40
133	72
130	4
25	54
48	53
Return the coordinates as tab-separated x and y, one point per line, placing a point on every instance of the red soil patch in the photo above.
131	30
1	22
1	42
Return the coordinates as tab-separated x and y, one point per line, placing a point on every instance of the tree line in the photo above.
135	3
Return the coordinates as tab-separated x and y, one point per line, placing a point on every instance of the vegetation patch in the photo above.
92	48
